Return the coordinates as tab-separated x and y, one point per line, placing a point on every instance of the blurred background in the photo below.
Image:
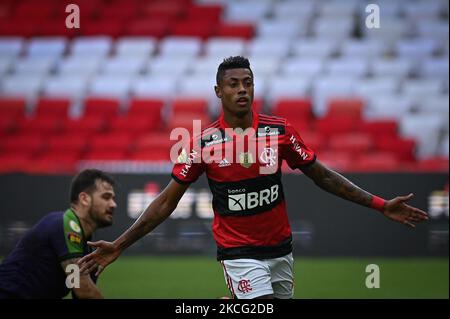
373	103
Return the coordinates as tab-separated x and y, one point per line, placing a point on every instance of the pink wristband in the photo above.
378	203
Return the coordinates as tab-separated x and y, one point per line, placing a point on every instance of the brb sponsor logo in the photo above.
249	200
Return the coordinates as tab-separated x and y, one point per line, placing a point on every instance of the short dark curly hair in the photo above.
232	62
85	182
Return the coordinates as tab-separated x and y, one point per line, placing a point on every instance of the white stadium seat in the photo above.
174	46
98	46
164	86
46	47
135	46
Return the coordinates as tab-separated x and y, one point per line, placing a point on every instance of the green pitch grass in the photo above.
202	277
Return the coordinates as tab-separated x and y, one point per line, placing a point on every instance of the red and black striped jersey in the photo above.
243	169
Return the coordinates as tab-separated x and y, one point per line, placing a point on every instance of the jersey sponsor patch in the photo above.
74	226
74	238
270	130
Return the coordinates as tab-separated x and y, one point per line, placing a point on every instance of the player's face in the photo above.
103	204
236	91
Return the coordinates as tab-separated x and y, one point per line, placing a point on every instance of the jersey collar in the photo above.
255	120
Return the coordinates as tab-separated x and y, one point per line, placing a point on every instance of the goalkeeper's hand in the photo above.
105	254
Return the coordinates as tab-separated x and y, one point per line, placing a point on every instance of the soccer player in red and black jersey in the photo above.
242	153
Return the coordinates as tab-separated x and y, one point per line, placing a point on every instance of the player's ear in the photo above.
85	199
218	91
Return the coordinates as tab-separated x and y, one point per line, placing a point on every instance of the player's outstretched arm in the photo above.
154	214
334	183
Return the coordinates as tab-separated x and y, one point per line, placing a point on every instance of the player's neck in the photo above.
88	225
235	121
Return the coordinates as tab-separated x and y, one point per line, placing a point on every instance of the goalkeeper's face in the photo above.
103	204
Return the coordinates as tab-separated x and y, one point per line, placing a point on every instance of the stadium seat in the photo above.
161	87
44	125
66	86
403	148
293	108
91	47
46	47
399	67
199	106
309	67
217	47
345	107
105	155
376	162
285	29
101	107
269	47
126	66
376	128
52	107
174	46
354	143
12	107
69	142
357	67
11	46
27	86
235	30
79	66
165	66
117	141
90	125
425	129
315	48
135	46
288	87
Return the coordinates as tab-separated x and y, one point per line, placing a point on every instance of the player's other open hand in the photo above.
397	210
105	254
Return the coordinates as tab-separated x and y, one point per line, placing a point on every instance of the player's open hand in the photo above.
105	254
397	210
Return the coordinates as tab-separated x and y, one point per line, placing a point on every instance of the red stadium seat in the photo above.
376	162
403	148
184	105
313	140
349	107
100	155
293	108
154	142
193	28
56	107
157	27
14	162
134	124
434	164
150	155
8	125
356	143
329	126
210	12
376	128
71	142
45	124
111	141
12	107
164	9
112	28
341	161
185	120
29	144
90	125
54	163
102	107
241	30
150	108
